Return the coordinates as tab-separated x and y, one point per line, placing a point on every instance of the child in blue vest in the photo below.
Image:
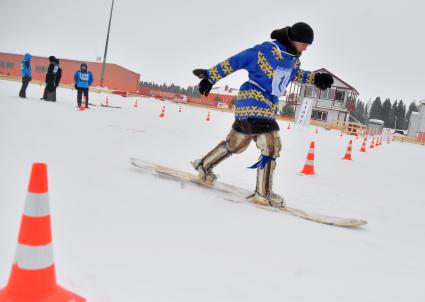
271	66
26	74
83	80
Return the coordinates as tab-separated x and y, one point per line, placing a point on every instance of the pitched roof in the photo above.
338	78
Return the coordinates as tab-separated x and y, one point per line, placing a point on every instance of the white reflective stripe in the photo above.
37	205
277	46
34	257
256	84
311	150
309	162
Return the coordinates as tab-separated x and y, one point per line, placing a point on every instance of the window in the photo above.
41	69
339	95
319	115
310	92
327	94
8	65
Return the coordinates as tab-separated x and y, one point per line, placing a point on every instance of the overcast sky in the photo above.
378	47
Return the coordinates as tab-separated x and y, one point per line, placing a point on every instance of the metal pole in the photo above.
102	76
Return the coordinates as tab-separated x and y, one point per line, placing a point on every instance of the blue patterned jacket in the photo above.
270	70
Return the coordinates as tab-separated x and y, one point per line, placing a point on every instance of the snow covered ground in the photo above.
123	235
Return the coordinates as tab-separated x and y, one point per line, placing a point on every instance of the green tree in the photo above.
393	114
386	110
401	115
376	111
359	112
288	110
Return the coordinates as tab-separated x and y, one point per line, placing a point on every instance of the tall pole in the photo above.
102	77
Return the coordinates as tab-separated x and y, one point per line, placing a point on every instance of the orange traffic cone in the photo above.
83	104
33	277
377	142
289	126
309	163
208	116
363	148
106	101
162	114
372	143
316	131
348	152
135	104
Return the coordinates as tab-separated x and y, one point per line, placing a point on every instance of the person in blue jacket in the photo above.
83	80
271	66
26	74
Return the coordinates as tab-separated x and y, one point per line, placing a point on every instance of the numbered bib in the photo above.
280	80
84	77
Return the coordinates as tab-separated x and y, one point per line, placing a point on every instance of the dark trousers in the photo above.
49	94
80	92
23	91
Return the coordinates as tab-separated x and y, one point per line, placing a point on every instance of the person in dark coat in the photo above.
53	75
26	74
83	80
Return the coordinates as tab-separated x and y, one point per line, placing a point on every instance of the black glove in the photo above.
205	85
323	81
201	73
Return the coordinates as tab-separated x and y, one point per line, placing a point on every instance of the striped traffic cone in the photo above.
372	143
83	104
289	126
348	152
309	163
162	114
106	101
363	148
135	104
33	277
208	117
316	131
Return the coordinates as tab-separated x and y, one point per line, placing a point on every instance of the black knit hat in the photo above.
301	32
52	58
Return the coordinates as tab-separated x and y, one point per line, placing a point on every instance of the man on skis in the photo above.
271	66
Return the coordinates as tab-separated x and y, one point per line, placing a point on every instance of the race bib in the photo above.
280	80
84	77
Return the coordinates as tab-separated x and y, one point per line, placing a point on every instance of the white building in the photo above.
417	121
332	105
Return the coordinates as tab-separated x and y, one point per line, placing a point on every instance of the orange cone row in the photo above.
33	278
